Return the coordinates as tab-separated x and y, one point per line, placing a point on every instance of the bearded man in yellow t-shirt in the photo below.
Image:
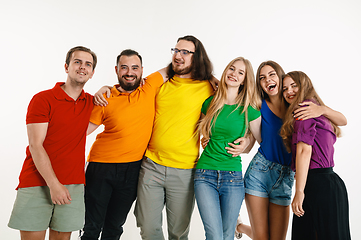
166	175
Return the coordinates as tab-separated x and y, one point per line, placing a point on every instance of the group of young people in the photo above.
149	151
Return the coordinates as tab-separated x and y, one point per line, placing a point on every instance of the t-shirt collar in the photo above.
60	94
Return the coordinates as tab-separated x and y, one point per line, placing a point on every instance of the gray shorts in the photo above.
34	211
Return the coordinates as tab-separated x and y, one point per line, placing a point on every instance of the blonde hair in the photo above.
306	91
246	97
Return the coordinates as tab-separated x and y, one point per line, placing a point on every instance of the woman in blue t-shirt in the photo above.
218	181
269	178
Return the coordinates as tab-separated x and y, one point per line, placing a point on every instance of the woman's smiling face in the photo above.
269	80
289	89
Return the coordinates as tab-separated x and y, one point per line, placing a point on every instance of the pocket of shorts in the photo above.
291	176
260	166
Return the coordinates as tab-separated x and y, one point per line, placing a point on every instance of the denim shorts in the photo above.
268	179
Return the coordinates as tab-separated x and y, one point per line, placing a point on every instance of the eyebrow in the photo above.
76	59
124	65
239	69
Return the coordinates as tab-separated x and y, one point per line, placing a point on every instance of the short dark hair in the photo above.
202	67
128	53
83	49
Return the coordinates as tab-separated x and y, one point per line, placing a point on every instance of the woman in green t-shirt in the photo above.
232	112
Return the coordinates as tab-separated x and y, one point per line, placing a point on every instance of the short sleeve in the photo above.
38	110
97	115
205	105
304	131
155	80
253	113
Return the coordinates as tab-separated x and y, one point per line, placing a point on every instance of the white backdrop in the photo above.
321	38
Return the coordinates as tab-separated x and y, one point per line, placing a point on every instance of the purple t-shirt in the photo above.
317	132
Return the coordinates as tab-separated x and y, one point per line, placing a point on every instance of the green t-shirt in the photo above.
229	126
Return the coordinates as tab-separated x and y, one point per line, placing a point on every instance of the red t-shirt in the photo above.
65	139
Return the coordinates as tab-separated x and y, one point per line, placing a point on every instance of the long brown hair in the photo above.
306	91
246	96
202	67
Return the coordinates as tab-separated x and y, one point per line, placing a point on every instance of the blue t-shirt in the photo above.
272	147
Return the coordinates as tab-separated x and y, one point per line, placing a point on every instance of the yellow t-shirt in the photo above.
175	139
128	121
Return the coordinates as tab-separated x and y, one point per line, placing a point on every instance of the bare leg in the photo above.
257	208
54	235
32	235
243	228
278	221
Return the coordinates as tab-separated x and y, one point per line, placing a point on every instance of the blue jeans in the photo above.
219	196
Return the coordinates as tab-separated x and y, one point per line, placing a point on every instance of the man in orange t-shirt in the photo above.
115	157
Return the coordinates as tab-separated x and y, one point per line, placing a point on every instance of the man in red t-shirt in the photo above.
51	182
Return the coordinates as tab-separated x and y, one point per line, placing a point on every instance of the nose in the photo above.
178	55
128	72
82	66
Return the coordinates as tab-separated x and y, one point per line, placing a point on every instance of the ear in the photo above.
91	75
116	69
66	68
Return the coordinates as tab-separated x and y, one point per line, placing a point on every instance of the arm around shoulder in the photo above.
334	116
309	109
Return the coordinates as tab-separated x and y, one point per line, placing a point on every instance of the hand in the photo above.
236	149
60	194
99	99
297	204
204	142
142	82
307	110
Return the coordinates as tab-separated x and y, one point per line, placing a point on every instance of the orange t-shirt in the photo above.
128	122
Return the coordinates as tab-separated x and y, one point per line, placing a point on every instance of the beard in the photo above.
181	71
129	86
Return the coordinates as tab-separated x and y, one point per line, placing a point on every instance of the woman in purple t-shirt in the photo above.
320	204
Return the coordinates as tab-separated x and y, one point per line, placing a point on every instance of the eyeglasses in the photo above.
183	52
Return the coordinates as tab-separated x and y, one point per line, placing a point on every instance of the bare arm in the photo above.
303	158
309	110
91	128
255	127
36	134
163	72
